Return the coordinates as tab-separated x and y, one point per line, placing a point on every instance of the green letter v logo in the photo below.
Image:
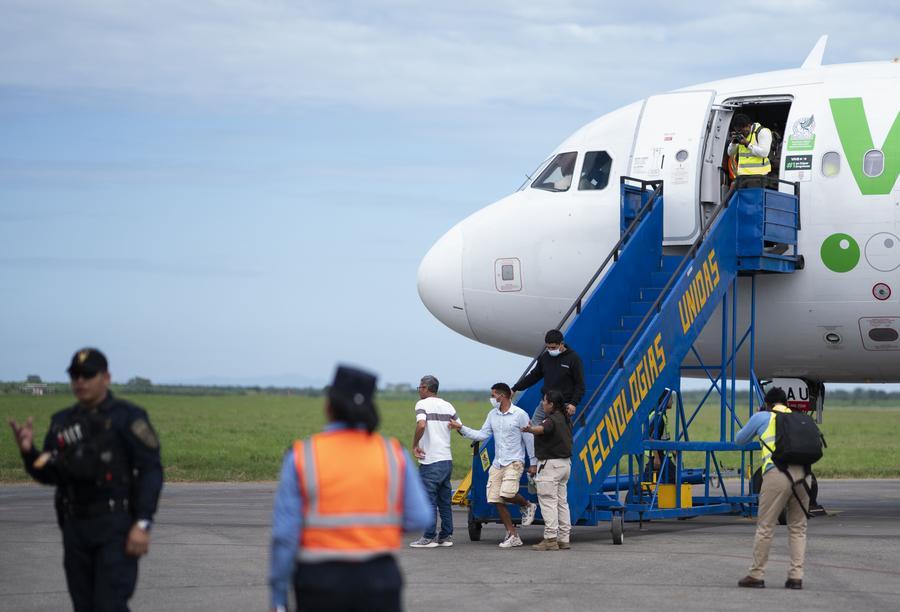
853	130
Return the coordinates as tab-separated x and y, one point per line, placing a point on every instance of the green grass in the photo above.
242	438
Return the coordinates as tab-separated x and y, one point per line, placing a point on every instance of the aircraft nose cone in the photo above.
440	282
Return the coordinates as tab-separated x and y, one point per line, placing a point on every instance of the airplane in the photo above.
836	320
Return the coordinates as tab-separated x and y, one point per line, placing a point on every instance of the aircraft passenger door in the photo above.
669	146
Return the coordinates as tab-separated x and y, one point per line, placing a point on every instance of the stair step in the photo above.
591	381
659	279
611	351
670	263
630	321
649	294
619	336
639	308
599	368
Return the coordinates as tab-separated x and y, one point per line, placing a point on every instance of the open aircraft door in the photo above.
668	146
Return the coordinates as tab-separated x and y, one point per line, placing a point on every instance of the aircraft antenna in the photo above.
814	59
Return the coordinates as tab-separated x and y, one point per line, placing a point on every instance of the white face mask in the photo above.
554	352
495	403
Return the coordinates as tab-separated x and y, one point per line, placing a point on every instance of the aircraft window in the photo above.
557	176
508	274
831	164
873	163
595	171
527	180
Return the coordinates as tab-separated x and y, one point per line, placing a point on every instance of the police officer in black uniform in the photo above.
103	456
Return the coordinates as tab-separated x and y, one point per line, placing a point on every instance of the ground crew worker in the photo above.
103	456
777	491
344	499
749	149
561	369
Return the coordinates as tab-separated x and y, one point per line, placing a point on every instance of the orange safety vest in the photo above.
351	483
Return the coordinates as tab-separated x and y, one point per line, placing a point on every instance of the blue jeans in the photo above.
436	478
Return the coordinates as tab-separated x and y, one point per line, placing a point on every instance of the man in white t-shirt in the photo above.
431	446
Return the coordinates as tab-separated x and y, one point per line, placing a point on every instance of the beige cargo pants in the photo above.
551	481
774	494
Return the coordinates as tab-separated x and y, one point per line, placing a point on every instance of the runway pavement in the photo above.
209	551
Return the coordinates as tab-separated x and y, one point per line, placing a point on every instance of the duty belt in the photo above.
97	508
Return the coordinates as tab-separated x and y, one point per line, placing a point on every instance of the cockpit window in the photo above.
557	176
528	177
595	170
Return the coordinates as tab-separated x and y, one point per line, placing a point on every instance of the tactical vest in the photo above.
749	164
768	438
352	487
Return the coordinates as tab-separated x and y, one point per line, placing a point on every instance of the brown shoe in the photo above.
546	545
751	583
563	545
792	583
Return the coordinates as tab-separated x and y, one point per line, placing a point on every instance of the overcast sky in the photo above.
242	191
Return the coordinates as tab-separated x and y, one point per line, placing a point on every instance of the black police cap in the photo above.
88	361
353	387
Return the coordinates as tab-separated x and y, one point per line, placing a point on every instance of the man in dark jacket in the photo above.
103	456
560	368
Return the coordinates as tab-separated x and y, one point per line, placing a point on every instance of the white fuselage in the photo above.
838	319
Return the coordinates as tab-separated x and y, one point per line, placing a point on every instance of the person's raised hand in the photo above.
24	434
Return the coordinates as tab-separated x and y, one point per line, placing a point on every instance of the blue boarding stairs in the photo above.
634	326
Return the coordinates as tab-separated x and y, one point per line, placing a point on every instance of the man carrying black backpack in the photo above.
790	443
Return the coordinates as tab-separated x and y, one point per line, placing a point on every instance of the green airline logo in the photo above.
856	140
840	252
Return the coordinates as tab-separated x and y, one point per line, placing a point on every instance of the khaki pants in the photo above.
774	494
551	481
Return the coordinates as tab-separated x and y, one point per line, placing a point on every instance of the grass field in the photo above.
242	438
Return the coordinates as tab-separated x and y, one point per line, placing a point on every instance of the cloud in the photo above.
398	54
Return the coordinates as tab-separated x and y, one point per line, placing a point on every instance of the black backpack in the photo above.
798	440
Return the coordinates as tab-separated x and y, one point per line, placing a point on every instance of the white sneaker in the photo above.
510	541
424	543
448	541
528	514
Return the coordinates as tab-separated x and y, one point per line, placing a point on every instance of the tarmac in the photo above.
209	551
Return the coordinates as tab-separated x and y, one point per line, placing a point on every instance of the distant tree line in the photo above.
139	384
404	391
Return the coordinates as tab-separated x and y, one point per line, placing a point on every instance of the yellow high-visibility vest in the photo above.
749	164
768	438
